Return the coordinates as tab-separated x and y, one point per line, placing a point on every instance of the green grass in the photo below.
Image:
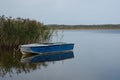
16	31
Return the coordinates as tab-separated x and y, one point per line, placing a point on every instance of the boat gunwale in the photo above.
42	45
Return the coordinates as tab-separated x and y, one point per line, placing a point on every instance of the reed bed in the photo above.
16	31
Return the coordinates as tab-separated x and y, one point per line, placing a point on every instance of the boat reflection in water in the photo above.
32	58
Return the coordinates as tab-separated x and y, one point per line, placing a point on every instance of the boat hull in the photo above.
47	49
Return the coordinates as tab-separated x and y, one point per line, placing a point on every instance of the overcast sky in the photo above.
71	12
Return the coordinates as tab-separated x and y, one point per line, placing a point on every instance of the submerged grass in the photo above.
16	31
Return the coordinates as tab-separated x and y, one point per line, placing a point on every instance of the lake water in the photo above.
96	56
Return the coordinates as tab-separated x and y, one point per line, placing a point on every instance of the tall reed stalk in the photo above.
16	31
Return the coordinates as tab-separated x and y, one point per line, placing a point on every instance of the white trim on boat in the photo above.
34	44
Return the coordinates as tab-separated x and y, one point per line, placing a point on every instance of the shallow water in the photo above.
96	57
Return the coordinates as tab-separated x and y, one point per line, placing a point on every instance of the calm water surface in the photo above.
96	57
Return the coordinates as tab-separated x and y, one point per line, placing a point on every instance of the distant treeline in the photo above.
108	26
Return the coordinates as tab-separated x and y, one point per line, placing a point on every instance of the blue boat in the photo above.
30	58
46	47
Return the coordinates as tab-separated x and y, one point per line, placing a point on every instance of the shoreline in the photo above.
86	29
83	27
